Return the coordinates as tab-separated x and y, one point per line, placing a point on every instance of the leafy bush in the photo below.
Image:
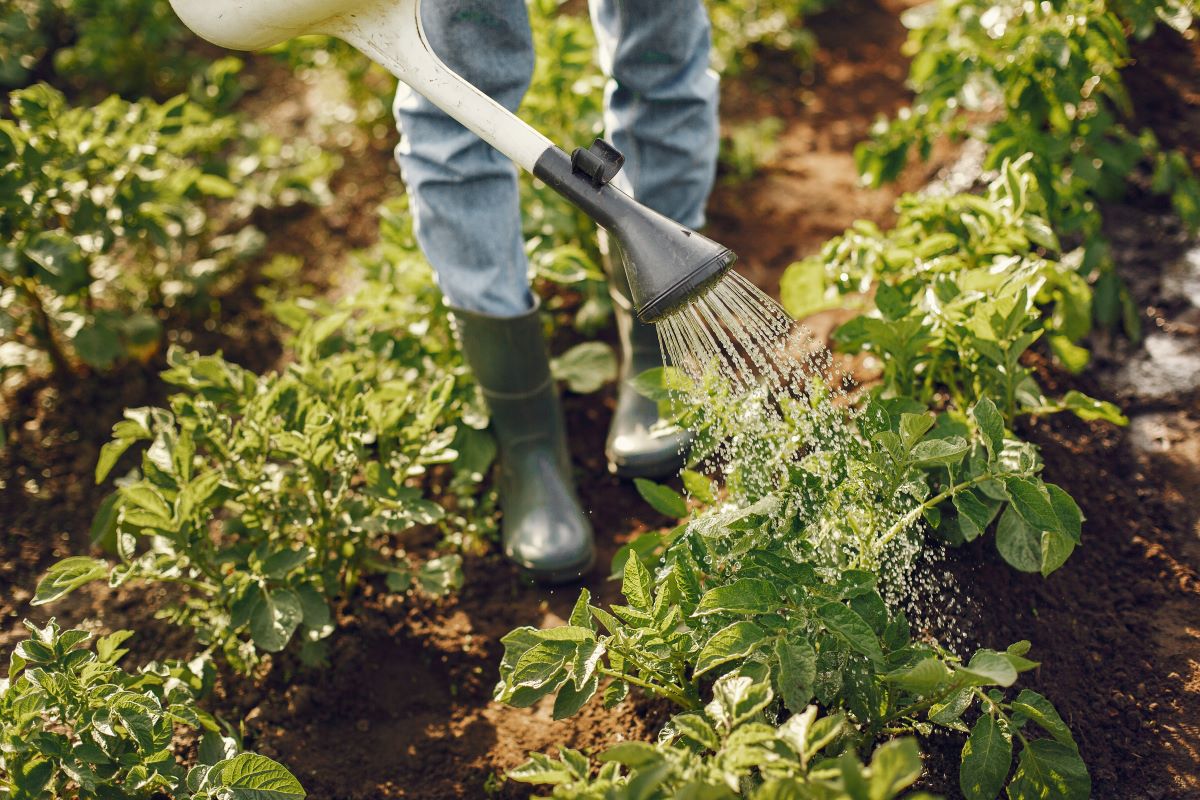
961	282
265	499
729	745
75	724
1041	79
740	27
114	212
135	48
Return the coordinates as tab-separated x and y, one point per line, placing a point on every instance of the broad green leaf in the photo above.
68	575
698	486
570	699
1070	518
250	776
940	452
698	729
913	427
1089	408
637	585
1050	770
275	616
1056	549
1042	711
973	514
986	760
991	424
662	499
895	766
743	596
923	677
1032	502
987	667
586	367
1019	544
730	643
847	624
797	662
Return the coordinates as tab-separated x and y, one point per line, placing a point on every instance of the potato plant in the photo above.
115	212
1042	79
73	723
963	285
730	744
265	499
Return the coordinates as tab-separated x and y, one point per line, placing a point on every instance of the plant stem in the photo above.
908	519
673	695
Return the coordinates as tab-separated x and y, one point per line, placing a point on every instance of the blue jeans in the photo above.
660	111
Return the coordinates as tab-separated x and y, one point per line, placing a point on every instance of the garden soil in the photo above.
404	709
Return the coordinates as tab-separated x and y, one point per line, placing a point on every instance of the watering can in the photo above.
667	263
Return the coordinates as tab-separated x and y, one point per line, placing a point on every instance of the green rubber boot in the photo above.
639	445
545	530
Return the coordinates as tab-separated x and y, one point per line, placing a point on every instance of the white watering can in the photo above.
667	264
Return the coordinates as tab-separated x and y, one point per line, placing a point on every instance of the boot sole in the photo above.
647	469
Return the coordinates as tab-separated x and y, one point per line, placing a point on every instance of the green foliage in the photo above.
115	212
739	615
729	749
267	498
749	147
136	48
964	286
743	27
1040	79
75	724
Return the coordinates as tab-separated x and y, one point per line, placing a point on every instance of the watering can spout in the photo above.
667	264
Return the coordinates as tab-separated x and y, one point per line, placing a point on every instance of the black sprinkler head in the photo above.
667	264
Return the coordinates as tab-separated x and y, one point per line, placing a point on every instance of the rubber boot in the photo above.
639	445
544	528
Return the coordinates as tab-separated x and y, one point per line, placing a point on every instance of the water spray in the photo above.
667	264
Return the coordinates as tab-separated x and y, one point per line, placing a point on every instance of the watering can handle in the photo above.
388	32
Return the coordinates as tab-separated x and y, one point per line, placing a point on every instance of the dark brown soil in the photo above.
404	709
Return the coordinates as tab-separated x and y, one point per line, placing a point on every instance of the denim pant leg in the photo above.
464	195
661	101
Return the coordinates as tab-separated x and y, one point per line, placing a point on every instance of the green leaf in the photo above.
570	699
1042	712
586	367
698	729
662	499
991	425
989	668
1070	518
250	776
797	662
1050	770
698	486
1088	408
847	624
986	760
68	575
923	677
1056	549
1019	544
275	616
895	766
973	514
637	585
732	642
1032	502
940	452
913	427
743	596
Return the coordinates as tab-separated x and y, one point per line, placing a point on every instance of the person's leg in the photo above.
661	101
464	195
661	112
467	212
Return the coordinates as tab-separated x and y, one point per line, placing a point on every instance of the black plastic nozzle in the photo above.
666	264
